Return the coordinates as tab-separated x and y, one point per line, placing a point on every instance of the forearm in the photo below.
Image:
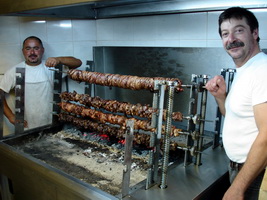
255	163
8	112
69	61
221	105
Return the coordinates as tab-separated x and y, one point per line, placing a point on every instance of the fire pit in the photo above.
86	158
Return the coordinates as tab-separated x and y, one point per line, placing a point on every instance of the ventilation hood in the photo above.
116	8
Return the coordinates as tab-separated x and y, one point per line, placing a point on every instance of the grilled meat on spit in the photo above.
119	133
111	118
121	81
116	106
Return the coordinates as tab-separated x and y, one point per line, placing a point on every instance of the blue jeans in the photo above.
253	190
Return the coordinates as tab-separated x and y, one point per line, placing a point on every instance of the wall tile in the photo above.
147	43
104	29
33	26
214	43
58	49
10	55
84	51
193	43
168	27
261	16
263	44
145	28
167	43
59	30
9	31
84	30
123	29
193	26
115	43
212	33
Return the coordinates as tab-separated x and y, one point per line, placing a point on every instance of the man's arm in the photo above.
256	160
9	114
69	61
217	87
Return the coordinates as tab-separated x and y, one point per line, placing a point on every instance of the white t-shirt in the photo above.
248	89
38	92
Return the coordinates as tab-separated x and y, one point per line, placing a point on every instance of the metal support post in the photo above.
2	96
158	103
90	88
218	123
171	86
202	121
191	126
127	157
57	92
19	96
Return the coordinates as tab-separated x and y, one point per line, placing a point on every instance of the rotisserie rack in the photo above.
153	127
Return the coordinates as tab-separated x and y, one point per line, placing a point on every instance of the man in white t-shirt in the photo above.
38	83
245	107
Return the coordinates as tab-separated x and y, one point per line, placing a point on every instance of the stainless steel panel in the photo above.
160	61
32	179
191	182
100	9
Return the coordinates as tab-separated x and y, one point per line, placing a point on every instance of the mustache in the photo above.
235	44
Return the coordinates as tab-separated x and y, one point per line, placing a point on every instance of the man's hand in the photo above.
217	87
68	61
52	62
13	121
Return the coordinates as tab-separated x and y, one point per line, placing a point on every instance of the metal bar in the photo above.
218	123
165	165
19	105
2	96
150	171
90	88
216	140
159	130
57	92
5	189
158	102
202	122
127	157
193	98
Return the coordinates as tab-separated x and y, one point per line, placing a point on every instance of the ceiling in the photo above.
123	8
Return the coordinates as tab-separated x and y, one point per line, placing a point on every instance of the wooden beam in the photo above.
14	6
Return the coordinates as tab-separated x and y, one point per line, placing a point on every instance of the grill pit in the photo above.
98	164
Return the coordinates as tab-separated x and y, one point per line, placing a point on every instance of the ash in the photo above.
104	140
89	157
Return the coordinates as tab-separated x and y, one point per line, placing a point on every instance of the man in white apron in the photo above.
38	83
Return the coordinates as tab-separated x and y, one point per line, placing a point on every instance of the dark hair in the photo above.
35	38
239	13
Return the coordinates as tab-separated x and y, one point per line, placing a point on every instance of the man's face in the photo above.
238	40
33	52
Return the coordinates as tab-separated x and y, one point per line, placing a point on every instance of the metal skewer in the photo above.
57	70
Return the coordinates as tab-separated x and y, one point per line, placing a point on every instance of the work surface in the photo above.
190	182
183	183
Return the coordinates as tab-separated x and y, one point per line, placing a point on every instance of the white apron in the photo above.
38	96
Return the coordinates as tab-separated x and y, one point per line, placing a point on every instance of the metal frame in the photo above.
2	96
57	91
229	79
19	105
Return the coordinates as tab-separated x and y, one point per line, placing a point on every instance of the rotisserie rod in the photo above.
121	81
116	106
103	128
111	118
119	133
